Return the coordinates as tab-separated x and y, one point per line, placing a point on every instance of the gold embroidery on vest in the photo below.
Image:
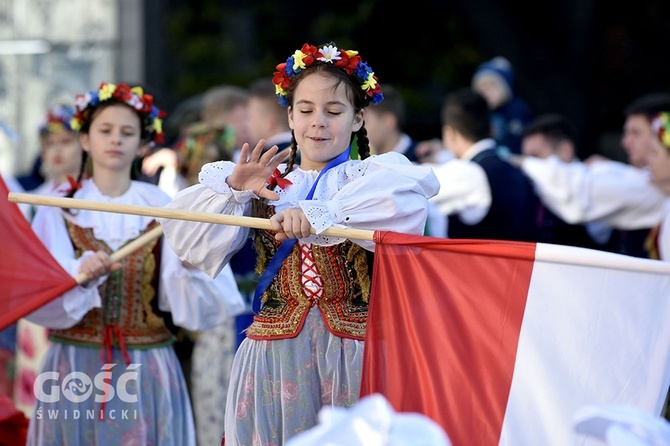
357	257
345	273
148	292
126	297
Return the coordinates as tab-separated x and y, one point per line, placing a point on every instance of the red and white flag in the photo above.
29	275
501	342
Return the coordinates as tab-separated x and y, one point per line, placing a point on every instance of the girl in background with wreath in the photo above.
61	157
111	375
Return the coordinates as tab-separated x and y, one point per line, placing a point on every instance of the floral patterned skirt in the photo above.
278	387
212	360
145	403
31	347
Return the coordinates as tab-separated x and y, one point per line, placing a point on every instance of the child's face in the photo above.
61	155
323	119
382	130
258	119
113	140
492	90
536	145
637	139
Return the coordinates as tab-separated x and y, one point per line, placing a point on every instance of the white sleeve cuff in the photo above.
321	215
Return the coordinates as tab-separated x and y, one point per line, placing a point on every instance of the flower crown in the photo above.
661	126
152	116
308	55
200	136
57	120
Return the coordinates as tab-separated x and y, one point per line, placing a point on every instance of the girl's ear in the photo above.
359	118
289	110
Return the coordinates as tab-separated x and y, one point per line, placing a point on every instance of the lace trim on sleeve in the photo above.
214	175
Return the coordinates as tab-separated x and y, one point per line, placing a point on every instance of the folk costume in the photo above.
512	213
608	192
305	347
61	155
117	327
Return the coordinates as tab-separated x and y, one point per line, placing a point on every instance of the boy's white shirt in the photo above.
610	192
464	186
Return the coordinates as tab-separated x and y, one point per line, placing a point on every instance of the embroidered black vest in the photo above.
346	271
128	298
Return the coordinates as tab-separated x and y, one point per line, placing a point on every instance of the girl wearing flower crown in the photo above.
111	351
304	348
61	157
61	152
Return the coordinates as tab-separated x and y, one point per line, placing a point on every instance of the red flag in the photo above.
502	342
29	275
13	423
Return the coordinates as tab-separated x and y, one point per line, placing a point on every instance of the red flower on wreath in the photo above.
122	92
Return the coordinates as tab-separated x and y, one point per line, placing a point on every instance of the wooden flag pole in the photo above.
128	249
159	212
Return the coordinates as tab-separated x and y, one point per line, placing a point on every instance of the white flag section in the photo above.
502	343
590	334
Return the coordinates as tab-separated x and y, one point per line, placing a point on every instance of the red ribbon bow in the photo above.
74	185
277	180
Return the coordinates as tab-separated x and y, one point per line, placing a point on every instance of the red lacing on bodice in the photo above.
312	283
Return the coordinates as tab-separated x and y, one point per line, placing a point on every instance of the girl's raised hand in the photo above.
254	169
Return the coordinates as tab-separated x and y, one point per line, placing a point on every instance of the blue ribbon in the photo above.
287	245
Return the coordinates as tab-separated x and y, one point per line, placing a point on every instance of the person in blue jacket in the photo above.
494	79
